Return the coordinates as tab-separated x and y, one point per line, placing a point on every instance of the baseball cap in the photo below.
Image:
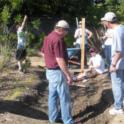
109	16
62	24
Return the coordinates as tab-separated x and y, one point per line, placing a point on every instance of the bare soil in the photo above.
23	98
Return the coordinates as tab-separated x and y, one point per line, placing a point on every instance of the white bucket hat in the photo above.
109	16
62	24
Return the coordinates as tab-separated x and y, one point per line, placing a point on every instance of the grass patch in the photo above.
15	93
5	55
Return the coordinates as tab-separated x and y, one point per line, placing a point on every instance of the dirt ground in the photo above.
23	98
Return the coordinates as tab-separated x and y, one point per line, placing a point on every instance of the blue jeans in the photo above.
118	88
58	93
107	52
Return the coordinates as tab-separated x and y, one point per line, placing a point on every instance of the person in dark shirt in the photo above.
57	73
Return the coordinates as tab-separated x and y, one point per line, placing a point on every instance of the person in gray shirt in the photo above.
117	62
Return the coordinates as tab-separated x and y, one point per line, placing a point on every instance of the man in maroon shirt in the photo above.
57	73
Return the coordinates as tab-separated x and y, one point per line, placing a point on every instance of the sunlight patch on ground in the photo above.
15	93
119	119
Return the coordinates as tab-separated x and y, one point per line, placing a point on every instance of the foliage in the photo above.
13	11
69	39
94	16
5	55
5	14
16	4
36	24
18	18
40	41
58	8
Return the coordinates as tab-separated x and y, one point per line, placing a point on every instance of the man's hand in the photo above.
112	68
116	57
69	79
25	17
62	64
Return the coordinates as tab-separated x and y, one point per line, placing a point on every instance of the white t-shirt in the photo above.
108	35
98	60
78	36
21	38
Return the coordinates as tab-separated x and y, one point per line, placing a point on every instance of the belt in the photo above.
56	68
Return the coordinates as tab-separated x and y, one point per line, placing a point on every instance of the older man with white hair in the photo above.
57	73
117	61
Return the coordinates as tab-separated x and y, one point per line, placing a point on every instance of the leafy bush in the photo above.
36	24
5	55
18	18
5	14
69	39
16	4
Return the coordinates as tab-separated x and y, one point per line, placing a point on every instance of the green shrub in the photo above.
5	55
36	23
69	39
5	14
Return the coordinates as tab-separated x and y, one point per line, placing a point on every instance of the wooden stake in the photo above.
83	45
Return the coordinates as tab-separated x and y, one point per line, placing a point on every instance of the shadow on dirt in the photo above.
94	110
27	104
21	109
88	102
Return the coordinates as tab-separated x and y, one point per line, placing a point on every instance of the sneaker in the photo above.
114	111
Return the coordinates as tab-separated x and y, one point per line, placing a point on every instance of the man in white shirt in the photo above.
78	36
